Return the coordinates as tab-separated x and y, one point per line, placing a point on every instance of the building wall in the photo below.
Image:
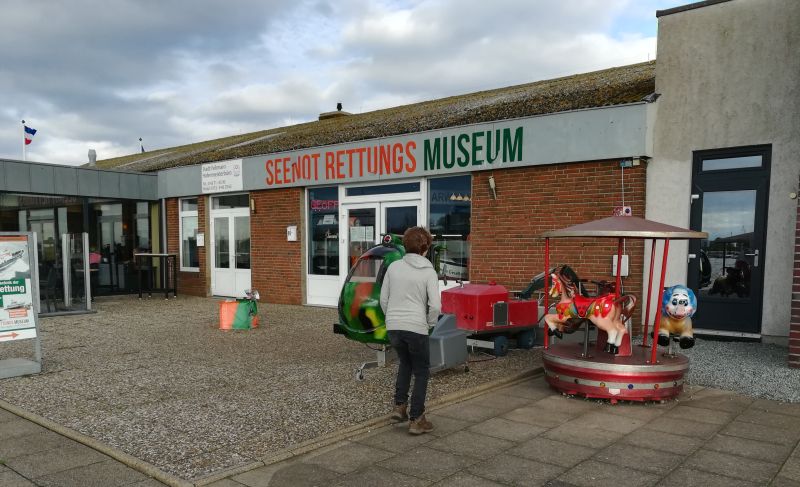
193	283
728	76
277	264
505	246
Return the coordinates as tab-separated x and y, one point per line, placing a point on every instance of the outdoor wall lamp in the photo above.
493	187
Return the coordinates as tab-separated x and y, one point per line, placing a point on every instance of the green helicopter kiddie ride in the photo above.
360	315
361	318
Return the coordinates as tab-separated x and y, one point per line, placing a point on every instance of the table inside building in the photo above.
167	265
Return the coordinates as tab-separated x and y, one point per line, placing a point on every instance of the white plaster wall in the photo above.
729	74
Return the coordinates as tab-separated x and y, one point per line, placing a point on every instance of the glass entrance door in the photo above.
729	200
230	247
363	225
361	231
112	241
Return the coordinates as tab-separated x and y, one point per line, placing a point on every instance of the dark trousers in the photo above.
413	352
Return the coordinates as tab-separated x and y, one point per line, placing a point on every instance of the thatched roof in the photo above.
615	86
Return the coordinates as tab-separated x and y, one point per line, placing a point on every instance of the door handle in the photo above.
690	257
755	257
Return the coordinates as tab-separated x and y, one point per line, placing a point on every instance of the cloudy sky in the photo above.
100	74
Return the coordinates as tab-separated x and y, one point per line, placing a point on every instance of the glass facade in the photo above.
323	234
116	229
449	210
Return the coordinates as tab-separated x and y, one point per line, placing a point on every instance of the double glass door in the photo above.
362	225
230	252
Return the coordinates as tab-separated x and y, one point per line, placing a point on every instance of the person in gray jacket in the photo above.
411	302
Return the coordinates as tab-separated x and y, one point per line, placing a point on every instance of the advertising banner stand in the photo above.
19	300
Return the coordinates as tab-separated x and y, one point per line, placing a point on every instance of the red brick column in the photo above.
277	264
794	323
192	283
531	200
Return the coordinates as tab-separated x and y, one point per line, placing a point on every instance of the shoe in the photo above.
607	348
400	413
663	340
686	342
420	426
555	332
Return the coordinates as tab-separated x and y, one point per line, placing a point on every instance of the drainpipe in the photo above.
163	226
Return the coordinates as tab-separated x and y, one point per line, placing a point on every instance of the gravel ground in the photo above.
159	381
754	369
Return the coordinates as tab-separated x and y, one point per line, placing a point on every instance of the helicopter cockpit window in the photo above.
366	270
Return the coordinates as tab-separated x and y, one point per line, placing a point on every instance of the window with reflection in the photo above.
142	221
323	232
449	210
728	255
190	259
732	163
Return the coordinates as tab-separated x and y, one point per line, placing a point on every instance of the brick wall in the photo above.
277	264
794	323
505	247
193	283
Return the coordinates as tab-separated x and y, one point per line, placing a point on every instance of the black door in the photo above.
726	271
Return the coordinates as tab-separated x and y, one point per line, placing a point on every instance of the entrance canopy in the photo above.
626	227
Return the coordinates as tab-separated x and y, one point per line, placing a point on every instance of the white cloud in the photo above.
179	72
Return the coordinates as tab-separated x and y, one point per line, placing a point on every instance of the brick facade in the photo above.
504	243
794	322
504	246
193	283
277	263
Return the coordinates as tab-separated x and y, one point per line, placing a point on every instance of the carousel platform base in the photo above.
605	376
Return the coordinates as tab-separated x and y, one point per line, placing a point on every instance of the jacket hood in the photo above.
417	261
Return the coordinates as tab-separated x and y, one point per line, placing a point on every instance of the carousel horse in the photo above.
677	308
606	311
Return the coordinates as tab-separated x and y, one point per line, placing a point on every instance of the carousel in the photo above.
614	368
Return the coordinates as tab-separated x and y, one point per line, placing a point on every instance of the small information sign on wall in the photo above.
18	295
221	177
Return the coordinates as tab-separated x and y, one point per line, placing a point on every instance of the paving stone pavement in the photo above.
529	435
520	435
31	455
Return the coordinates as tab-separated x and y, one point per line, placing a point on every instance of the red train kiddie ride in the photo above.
490	315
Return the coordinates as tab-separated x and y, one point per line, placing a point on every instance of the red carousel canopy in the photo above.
626	227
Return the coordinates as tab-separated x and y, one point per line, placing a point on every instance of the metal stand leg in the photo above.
585	353
669	353
380	361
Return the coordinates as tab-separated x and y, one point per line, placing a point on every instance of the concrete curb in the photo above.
285	454
119	455
358	429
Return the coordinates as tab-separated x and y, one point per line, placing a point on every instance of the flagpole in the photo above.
24	152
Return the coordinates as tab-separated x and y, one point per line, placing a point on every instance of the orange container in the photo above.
240	314
227	312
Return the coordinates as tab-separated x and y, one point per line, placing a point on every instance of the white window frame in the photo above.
181	215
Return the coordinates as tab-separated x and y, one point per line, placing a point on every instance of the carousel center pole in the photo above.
546	289
660	297
649	291
619	268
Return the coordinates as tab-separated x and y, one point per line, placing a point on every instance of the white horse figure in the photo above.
607	311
